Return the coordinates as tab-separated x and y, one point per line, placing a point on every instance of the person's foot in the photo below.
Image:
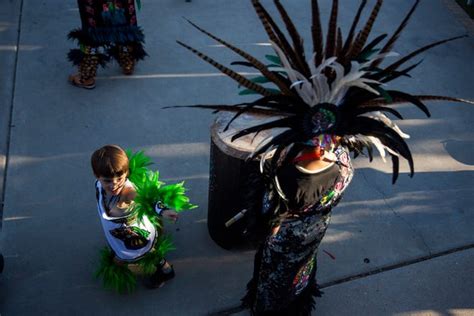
163	273
128	68
77	81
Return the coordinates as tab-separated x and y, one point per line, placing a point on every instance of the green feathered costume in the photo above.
131	233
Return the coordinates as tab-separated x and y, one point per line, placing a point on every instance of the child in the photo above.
130	239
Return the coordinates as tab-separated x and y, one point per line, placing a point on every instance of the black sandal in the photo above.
159	278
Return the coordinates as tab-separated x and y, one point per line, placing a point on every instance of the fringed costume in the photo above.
336	99
137	244
109	30
285	263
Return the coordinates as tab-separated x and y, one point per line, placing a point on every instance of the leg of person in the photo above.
86	56
88	64
164	272
287	267
126	59
249	299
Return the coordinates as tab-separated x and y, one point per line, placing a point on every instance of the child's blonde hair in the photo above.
109	161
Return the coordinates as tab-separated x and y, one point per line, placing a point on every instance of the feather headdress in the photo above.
340	90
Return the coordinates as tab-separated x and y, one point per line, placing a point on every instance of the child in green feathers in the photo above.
136	240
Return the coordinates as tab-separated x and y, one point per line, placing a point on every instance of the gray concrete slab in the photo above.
52	235
437	287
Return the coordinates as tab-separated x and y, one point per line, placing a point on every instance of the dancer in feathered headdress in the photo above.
328	104
109	29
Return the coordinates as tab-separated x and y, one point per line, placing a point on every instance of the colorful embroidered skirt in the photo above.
106	26
285	266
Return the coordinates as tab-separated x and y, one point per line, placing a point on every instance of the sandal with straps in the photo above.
159	278
76	81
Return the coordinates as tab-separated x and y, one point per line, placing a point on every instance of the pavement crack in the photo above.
398	215
10	119
395	266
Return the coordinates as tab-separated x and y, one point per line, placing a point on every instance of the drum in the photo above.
228	175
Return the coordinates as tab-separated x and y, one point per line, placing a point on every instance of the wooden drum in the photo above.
228	175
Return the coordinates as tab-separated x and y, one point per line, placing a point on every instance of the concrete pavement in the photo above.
393	245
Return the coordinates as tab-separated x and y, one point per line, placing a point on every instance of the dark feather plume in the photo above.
255	62
283	122
350	37
403	60
395	168
332	29
317	32
367	109
339	42
364	34
388	46
232	108
294	108
229	72
397	100
296	39
395	74
281	40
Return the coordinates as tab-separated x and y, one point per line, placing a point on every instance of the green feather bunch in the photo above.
138	164
115	277
165	246
149	262
173	197
146	198
151	191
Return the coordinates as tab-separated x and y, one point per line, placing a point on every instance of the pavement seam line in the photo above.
234	308
10	118
396	266
398	215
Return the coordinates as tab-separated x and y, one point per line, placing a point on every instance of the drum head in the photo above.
243	146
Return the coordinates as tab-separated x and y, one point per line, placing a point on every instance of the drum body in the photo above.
228	176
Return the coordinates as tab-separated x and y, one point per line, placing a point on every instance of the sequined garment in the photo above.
107	13
108	30
285	265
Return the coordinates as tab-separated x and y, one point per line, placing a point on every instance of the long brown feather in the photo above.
377	102
339	42
364	34
350	36
259	65
229	72
296	38
317	32
332	29
232	109
388	46
266	25
281	40
401	61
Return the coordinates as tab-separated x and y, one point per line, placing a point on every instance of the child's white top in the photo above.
122	233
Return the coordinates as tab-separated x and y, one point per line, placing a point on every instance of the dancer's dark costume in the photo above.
109	29
285	264
340	90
